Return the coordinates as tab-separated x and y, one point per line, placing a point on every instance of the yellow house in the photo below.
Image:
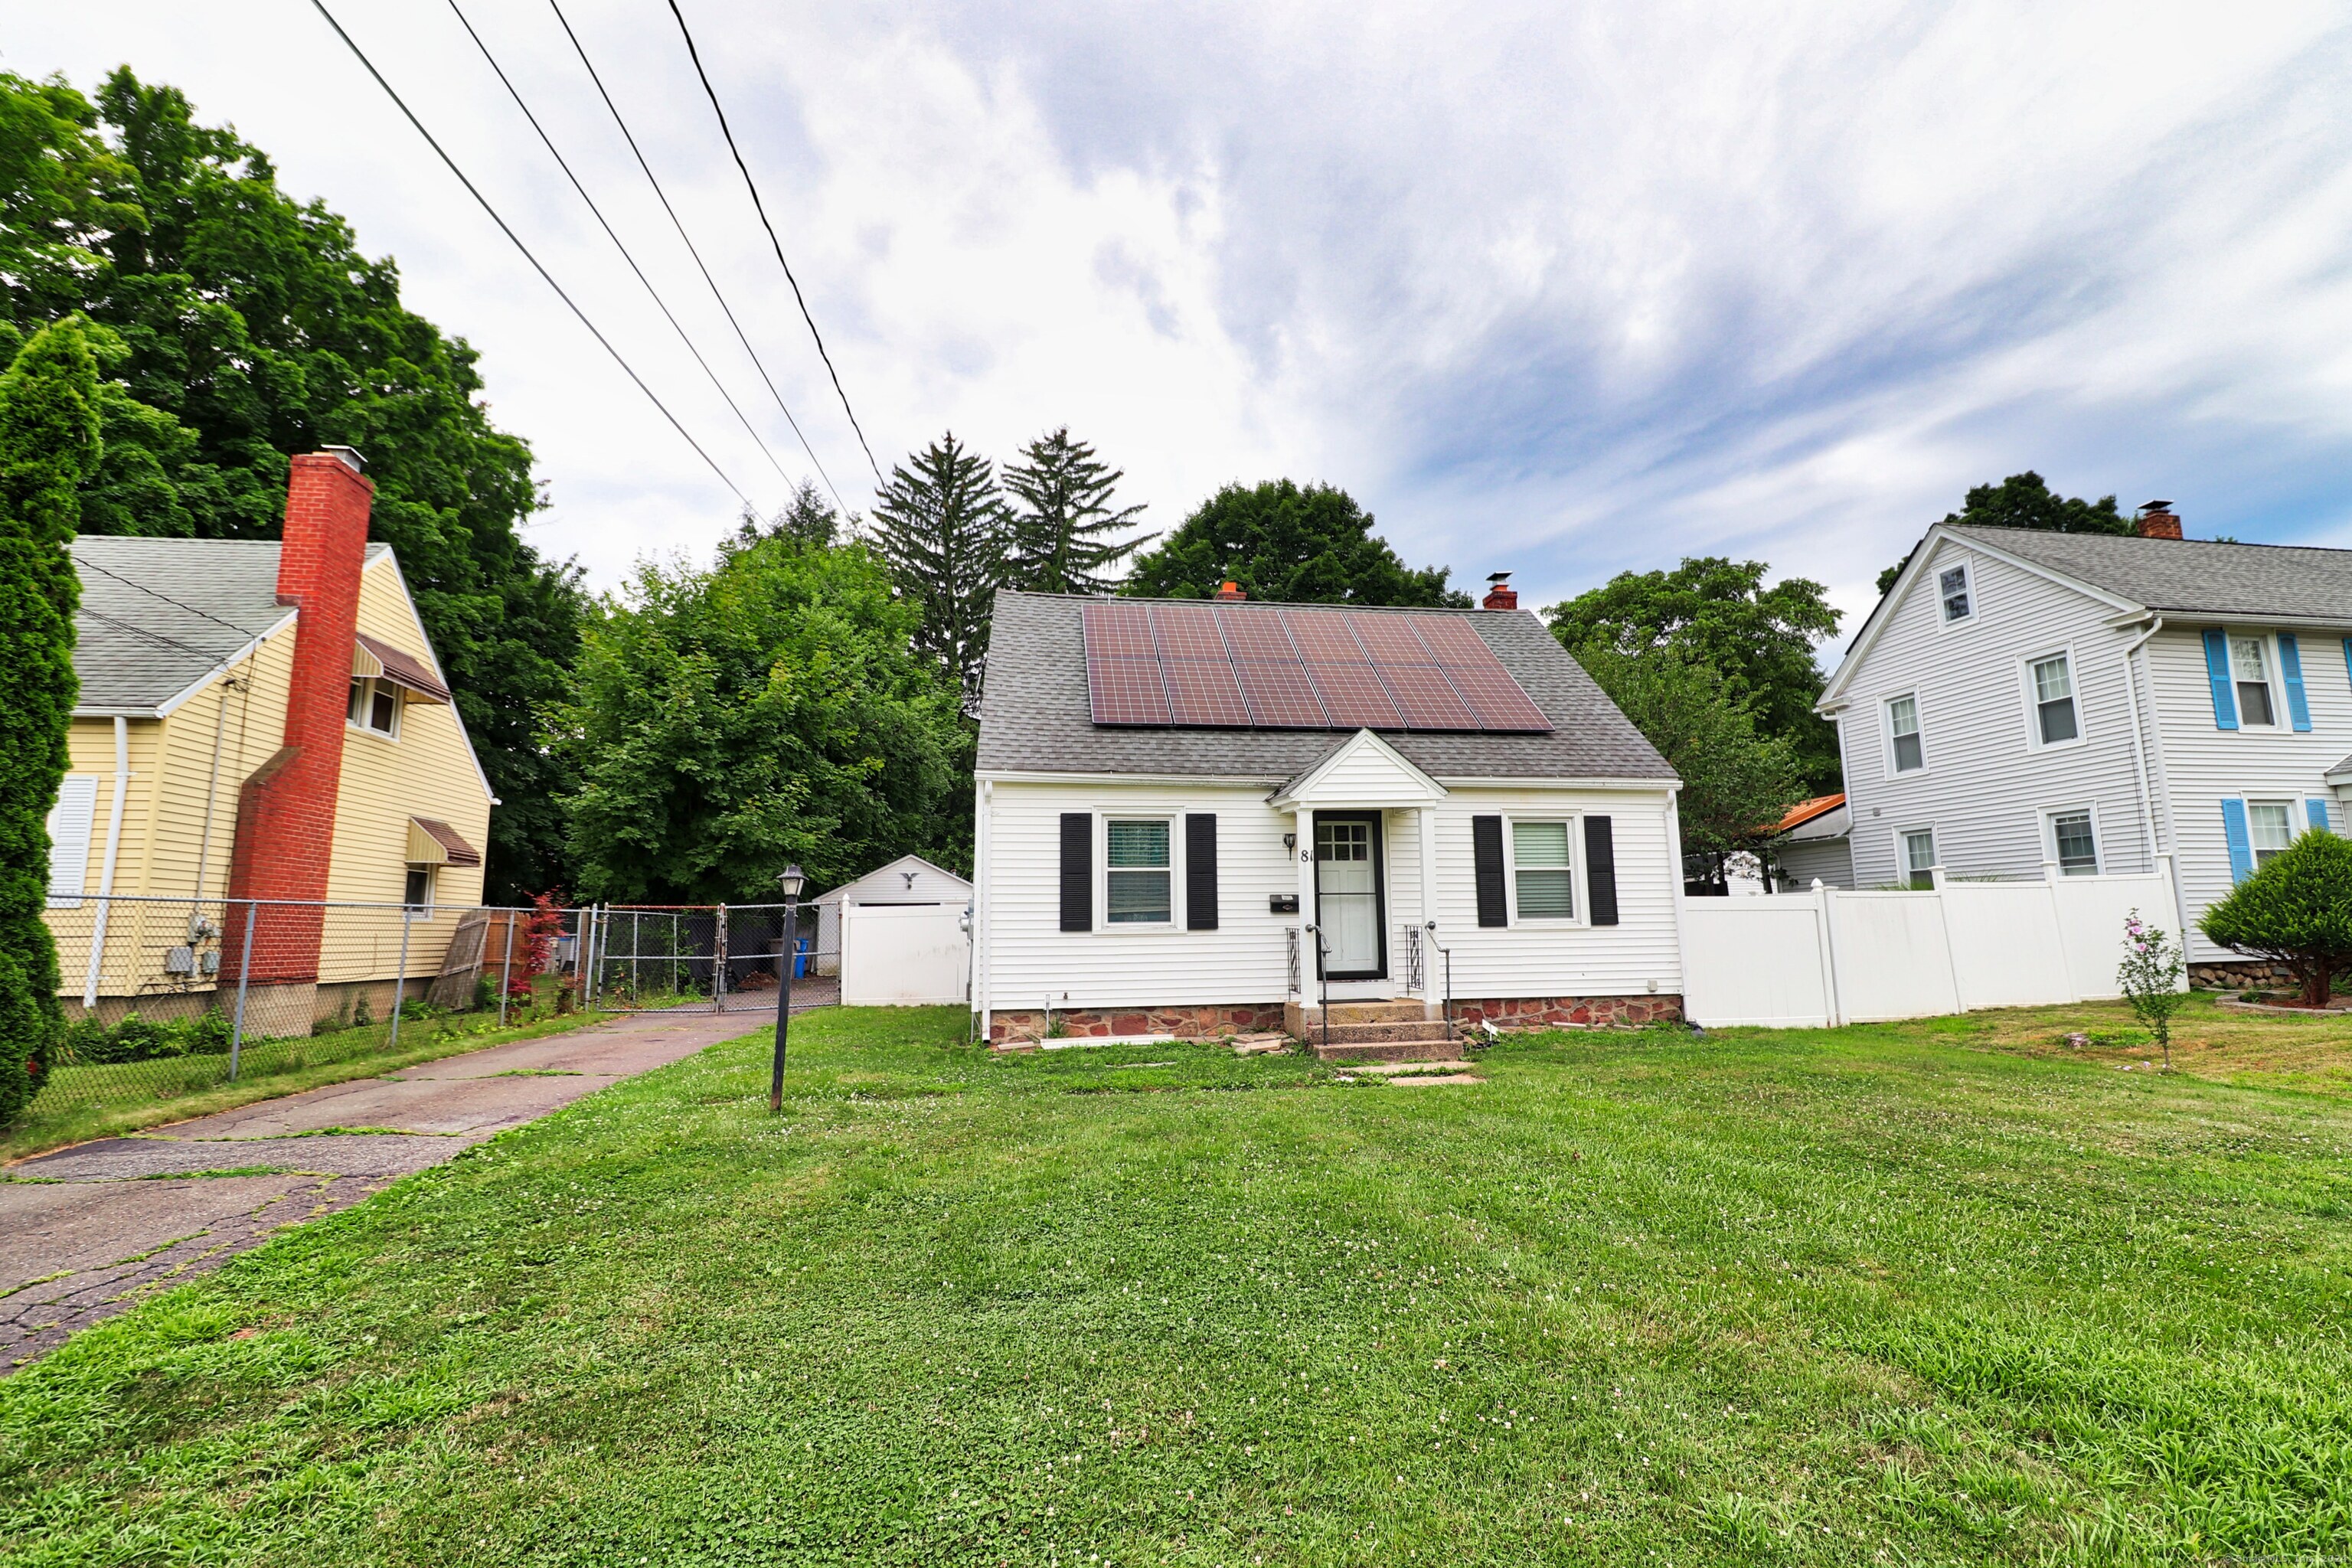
263	744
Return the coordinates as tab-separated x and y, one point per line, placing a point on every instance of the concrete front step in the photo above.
1365	1034
1431	1051
1410	1010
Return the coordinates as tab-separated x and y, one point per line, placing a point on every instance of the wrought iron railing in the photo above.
1409	958
1446	953
1323	982
1291	943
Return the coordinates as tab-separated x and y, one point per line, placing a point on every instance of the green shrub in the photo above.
136	1039
88	1039
207	1035
2296	911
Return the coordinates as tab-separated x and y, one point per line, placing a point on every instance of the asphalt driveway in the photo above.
86	1231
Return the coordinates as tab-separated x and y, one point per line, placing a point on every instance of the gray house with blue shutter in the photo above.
2024	704
1196	817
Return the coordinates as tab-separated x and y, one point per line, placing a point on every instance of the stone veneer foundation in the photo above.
1567	1012
1009	1026
2243	974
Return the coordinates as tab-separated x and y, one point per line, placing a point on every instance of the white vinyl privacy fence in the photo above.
1824	957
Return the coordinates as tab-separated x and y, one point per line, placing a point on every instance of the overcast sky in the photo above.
1567	289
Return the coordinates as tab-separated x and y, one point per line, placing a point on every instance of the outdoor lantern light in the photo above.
787	953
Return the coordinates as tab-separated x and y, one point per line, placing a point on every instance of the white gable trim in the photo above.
1881	616
1405	784
903	863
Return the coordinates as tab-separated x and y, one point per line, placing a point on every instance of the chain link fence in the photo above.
165	996
724	957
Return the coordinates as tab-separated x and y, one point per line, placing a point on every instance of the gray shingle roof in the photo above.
1035	716
2197	576
158	614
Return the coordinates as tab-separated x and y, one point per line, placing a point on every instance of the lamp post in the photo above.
792	880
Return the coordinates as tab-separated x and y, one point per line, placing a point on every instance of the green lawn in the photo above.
1937	1293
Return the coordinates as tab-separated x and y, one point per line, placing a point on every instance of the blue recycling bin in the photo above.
801	951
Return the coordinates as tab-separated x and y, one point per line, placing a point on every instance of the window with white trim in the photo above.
2270	826
1918	855
1543	869
1952	591
1903	734
2250	671
2075	843
1138	872
2055	720
417	894
375	705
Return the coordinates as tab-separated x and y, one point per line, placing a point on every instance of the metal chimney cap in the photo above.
2155	506
349	457
1498	576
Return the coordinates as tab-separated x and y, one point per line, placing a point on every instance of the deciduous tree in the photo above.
2026	500
1284	541
1758	639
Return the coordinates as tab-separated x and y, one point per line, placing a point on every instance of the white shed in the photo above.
908	881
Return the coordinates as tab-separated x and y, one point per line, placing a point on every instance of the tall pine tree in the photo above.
940	526
49	445
1065	528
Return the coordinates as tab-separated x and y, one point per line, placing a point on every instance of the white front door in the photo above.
1348	893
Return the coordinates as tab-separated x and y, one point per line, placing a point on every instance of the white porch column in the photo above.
1302	823
1427	822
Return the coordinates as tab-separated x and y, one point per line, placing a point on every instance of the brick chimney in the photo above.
1500	594
285	810
2157	521
1229	589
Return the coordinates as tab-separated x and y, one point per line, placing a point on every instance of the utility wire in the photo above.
712	94
319	5
548	142
155	594
678	225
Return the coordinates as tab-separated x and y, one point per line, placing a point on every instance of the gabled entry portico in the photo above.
1365	833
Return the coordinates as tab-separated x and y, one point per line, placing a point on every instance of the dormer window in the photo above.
375	705
1952	588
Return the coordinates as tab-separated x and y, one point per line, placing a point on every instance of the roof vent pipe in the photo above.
2157	521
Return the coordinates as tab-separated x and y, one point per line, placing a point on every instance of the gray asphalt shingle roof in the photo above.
2198	577
1035	716
158	614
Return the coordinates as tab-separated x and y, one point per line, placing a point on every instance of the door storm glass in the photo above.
1348	894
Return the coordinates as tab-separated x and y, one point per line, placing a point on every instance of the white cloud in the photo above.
1569	292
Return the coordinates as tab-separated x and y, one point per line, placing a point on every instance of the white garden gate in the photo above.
1825	957
904	955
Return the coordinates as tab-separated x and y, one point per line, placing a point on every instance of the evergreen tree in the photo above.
1287	541
940	525
49	445
807	519
1063	524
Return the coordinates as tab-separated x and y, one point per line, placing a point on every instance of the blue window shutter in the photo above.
2291	666
2316	809
2241	844
2347	656
2217	671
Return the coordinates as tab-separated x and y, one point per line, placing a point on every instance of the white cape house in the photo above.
1195	818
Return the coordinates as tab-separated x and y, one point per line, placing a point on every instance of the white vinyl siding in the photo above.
1987	778
1027	960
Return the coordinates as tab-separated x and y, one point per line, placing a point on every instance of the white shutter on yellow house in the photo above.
69	826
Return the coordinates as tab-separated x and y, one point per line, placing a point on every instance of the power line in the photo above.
548	142
690	249
158	593
319	5
711	93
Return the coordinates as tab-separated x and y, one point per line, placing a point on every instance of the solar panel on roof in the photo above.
1295	667
1426	698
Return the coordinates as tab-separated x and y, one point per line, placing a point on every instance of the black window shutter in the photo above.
1201	871
1077	871
1486	856
1601	869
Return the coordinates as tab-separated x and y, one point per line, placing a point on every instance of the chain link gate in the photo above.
668	957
